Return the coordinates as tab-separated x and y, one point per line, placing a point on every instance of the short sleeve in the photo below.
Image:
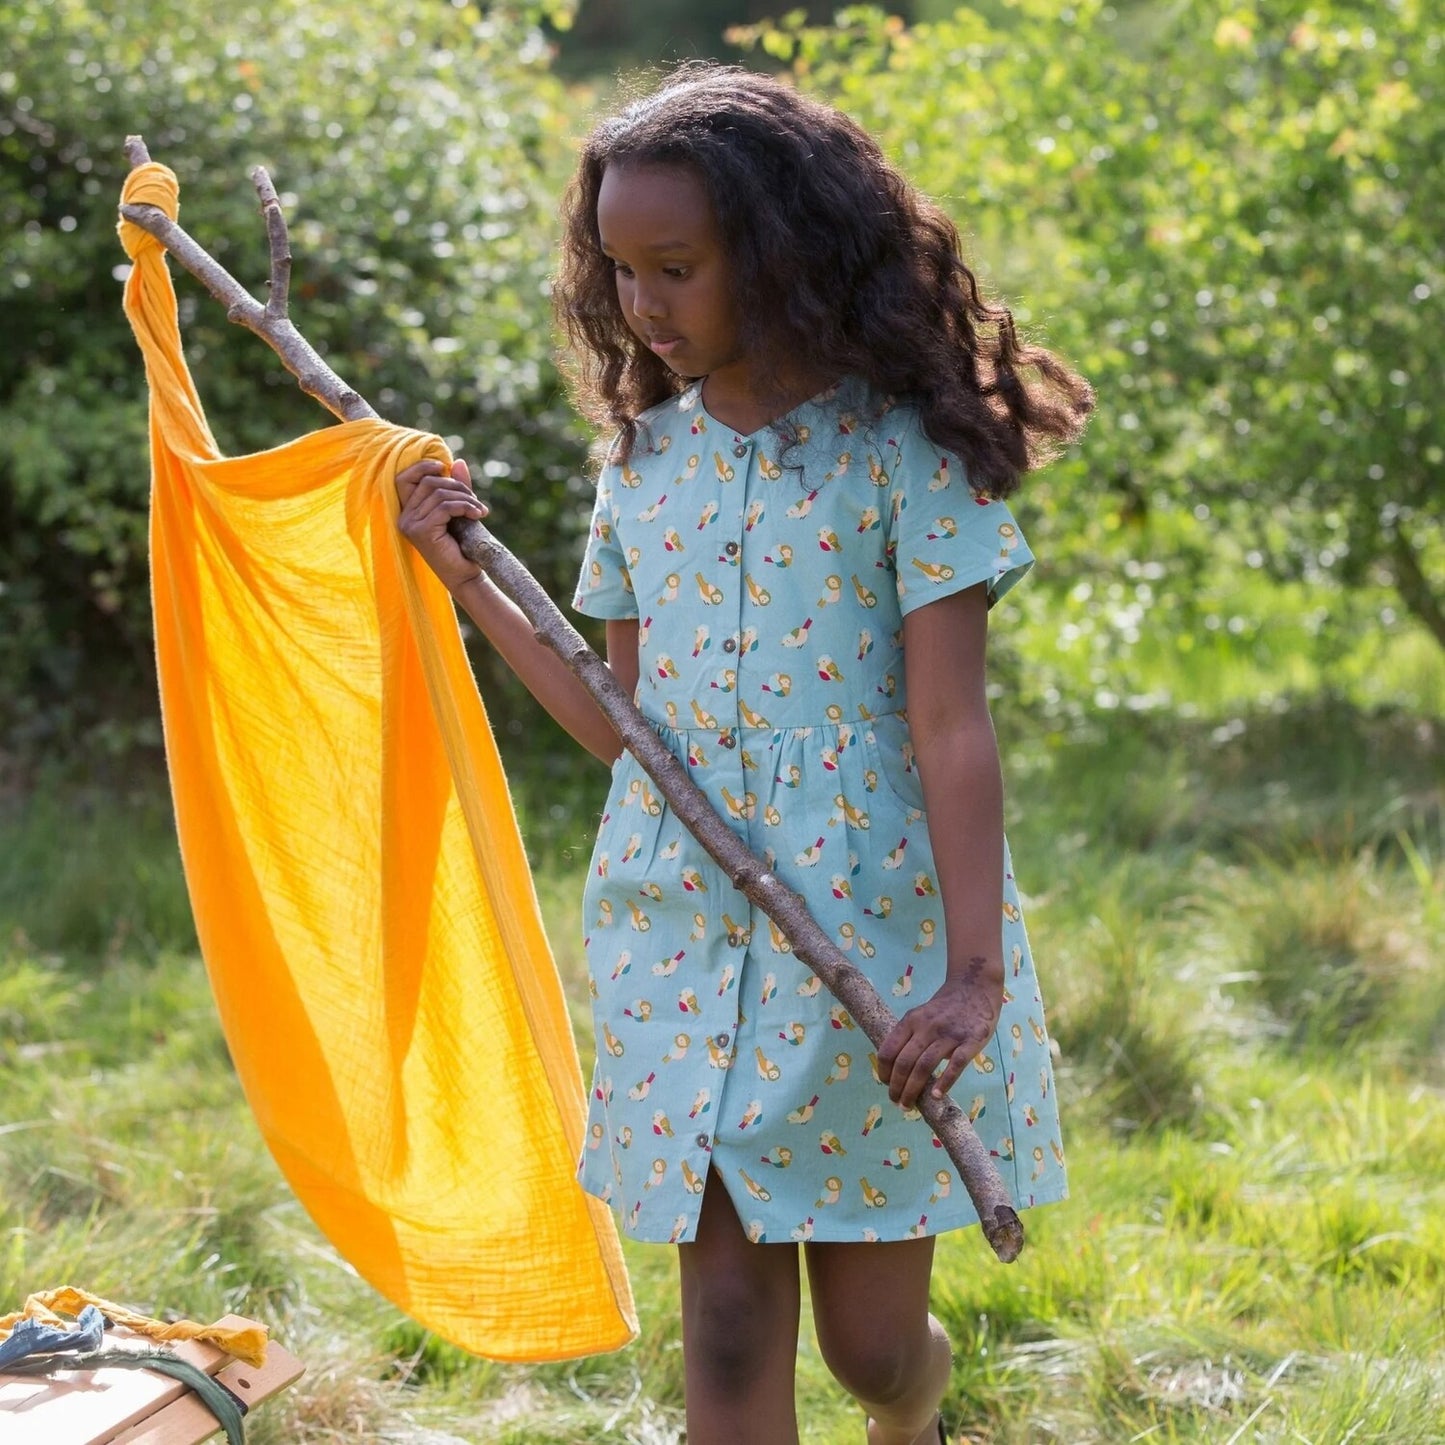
943	536
605	587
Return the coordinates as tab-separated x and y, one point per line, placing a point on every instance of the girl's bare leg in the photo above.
870	1309
739	1331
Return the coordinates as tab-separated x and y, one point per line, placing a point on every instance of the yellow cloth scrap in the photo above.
361	893
48	1305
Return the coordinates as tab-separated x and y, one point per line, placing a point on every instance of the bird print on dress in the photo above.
770	576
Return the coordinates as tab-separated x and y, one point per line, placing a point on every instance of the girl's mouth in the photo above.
664	345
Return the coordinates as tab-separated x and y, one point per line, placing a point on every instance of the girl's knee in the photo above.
731	1332
876	1366
869	1368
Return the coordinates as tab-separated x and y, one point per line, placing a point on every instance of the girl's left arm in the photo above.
957	758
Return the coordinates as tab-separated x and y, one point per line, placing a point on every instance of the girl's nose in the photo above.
646	304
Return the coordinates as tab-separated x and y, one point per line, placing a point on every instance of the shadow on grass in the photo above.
94	874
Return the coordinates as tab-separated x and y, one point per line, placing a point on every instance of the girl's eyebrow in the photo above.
657	247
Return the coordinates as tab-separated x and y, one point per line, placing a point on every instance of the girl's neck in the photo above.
734	402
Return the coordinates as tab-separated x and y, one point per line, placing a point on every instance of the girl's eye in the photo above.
678	272
621	270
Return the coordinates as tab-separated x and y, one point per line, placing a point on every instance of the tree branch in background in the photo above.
1413	585
269	322
278	297
748	873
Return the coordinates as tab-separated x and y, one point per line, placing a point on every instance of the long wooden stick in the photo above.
747	872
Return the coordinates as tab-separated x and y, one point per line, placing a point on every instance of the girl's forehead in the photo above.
654	205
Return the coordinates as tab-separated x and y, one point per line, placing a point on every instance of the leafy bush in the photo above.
1227	216
419	150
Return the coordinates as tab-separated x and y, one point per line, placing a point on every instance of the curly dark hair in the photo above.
841	259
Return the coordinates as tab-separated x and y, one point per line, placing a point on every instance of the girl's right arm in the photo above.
430	498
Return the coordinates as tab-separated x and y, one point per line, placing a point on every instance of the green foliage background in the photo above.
419	149
1221	694
1227	215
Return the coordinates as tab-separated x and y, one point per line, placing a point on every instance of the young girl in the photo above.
798	534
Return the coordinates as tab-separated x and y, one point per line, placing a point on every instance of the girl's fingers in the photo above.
922	1074
905	1048
440	492
431	497
429	474
908	1061
408	479
958	1061
889	1051
440	511
426	502
905	1066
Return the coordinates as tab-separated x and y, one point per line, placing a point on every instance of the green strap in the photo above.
214	1395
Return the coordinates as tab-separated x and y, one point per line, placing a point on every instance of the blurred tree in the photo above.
1229	217
419	151
613	35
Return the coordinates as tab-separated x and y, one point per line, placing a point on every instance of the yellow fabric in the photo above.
48	1305
361	894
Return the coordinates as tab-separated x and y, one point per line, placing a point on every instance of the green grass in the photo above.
1240	918
93	874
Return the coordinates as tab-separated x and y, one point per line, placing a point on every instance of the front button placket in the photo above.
726	781
730	560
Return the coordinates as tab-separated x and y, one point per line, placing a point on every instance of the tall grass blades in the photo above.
94	877
1238	925
1328	943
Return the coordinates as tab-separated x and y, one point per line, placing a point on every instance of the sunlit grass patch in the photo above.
35	999
1196	1384
127	1160
634	1394
572	1422
1320	940
1122	1011
1235	1276
1253	1249
1377	1399
343	1397
1349	1238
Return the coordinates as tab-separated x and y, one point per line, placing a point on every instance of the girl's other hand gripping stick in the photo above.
430	497
931	1045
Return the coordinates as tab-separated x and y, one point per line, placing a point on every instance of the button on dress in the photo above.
770	574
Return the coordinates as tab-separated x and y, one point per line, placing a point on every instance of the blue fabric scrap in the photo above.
34	1337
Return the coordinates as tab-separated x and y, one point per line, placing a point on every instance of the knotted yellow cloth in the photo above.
48	1305
360	890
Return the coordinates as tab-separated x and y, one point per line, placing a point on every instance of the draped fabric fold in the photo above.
361	893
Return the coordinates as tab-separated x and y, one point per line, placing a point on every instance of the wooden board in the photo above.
136	1407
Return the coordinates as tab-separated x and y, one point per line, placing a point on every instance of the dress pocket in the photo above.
890	755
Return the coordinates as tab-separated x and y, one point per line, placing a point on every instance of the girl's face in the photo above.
657	227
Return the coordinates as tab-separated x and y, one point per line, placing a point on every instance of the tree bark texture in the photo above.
1413	585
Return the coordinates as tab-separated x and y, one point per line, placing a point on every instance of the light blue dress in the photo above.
771	574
